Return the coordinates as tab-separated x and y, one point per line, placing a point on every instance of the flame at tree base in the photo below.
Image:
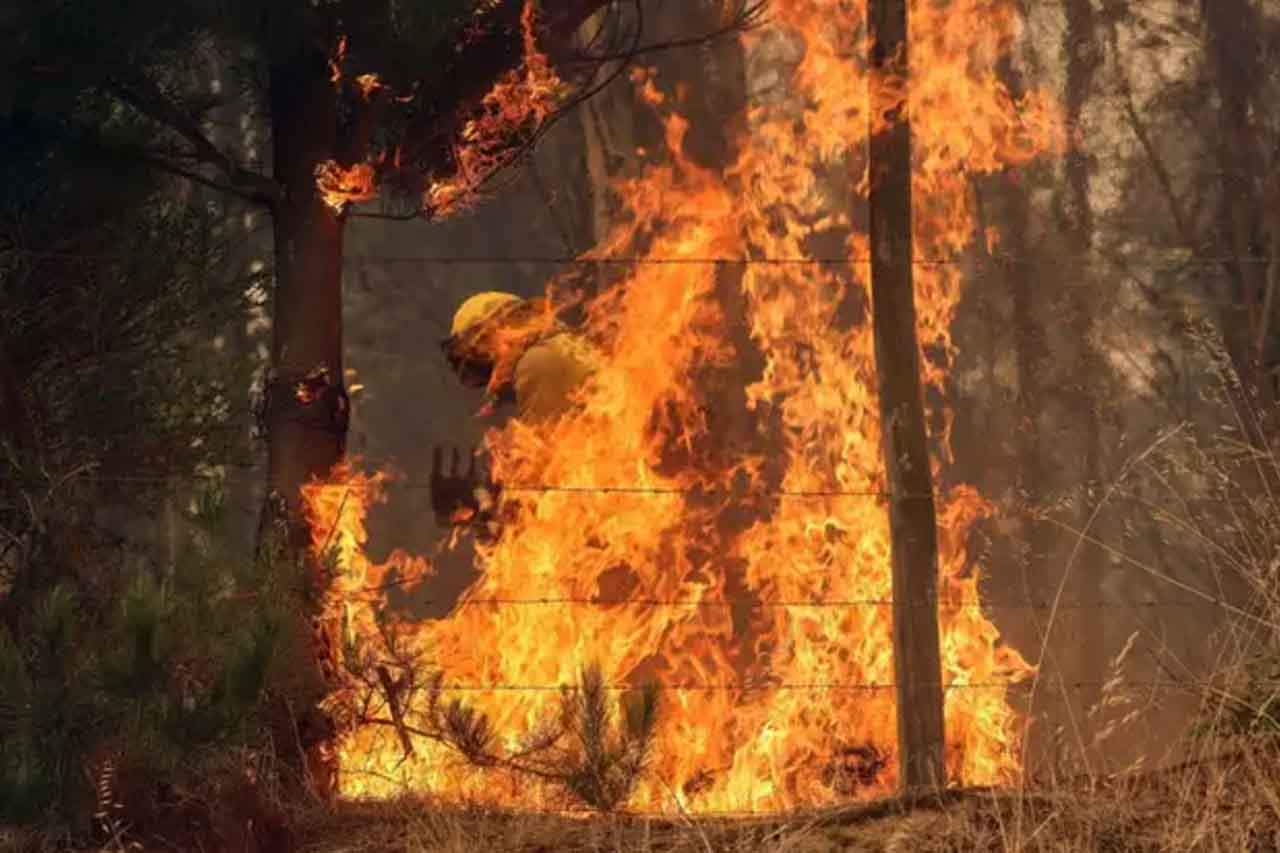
749	576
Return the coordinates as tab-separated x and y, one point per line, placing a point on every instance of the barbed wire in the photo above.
640	260
766	604
805	687
1203	598
461	260
391	485
530	488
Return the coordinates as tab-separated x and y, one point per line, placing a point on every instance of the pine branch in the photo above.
393	689
147	98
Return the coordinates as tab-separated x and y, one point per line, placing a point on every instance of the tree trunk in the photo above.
1080	43
307	415
16	426
19	443
1084	56
1231	29
307	407
912	519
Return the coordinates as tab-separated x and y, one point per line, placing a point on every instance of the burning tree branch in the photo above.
462	136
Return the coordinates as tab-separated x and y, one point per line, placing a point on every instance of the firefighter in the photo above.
518	351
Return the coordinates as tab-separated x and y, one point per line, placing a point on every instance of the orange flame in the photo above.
368	84
524	98
748	576
335	61
340	186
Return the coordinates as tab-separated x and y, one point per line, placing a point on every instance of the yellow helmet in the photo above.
479	308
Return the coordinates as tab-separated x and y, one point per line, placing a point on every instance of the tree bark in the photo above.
307	407
307	410
912	518
1083	53
1084	57
16	424
1231	30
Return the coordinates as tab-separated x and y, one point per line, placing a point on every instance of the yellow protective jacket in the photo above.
531	354
547	375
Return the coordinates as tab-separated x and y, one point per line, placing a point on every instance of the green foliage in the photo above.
595	750
112	293
607	757
161	675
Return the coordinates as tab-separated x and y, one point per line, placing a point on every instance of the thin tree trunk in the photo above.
16	424
18	437
1083	54
1231	29
912	518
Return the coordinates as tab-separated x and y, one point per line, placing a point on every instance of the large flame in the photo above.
748	575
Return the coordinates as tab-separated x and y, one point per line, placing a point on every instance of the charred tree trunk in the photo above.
912	518
1232	30
307	407
1018	267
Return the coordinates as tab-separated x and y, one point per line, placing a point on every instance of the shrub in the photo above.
153	678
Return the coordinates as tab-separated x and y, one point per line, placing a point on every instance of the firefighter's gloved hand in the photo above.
454	495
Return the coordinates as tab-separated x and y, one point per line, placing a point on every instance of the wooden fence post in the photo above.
917	657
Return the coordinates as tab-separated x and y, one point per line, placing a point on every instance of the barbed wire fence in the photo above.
1202	598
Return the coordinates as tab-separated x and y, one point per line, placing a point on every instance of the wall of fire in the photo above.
1067	372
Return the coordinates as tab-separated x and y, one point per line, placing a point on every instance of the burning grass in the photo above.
1220	802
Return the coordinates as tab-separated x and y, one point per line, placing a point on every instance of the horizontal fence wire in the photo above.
534	488
759	604
445	260
417	485
814	687
566	260
531	488
1202	598
537	488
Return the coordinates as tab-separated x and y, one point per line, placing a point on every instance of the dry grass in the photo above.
1224	796
1224	803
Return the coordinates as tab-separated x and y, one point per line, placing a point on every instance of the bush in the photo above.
149	682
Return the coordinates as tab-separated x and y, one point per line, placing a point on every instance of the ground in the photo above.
1229	802
1226	801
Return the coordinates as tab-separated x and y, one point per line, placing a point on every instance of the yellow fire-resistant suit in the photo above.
516	350
528	355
